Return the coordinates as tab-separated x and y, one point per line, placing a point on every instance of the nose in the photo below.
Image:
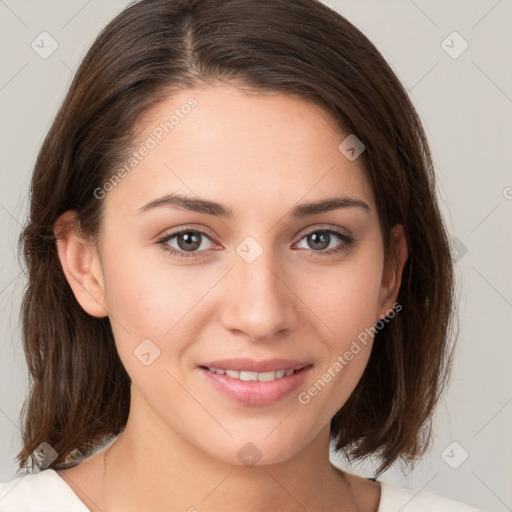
260	300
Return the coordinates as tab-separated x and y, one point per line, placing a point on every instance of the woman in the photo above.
235	256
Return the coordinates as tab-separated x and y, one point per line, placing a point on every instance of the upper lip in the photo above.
251	365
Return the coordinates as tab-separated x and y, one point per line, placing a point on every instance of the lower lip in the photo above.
256	392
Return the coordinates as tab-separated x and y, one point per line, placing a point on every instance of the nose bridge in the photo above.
260	303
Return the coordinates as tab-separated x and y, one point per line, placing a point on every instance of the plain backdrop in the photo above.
461	85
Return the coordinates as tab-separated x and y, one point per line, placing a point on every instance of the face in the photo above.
254	286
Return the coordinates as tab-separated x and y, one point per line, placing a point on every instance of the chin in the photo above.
257	450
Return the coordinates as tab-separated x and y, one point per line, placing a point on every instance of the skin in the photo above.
179	447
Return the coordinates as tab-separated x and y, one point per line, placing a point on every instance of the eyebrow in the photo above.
208	207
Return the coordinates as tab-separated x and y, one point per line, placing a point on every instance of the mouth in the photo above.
248	376
255	383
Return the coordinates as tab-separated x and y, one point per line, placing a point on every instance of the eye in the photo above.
186	242
322	239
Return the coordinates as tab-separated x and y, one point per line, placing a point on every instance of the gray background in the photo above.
466	107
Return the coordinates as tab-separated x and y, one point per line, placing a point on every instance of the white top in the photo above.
46	491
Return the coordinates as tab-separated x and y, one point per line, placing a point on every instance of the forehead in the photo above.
232	145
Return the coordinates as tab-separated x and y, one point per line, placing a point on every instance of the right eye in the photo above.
188	242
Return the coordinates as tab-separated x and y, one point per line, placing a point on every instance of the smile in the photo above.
253	376
255	383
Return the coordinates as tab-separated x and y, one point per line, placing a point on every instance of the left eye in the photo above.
320	240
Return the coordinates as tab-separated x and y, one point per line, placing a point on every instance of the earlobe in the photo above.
393	269
81	265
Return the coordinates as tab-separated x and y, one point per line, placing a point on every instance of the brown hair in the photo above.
80	391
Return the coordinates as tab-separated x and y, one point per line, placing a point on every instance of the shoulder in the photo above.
395	498
41	491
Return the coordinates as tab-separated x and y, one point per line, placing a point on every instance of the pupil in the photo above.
320	240
190	238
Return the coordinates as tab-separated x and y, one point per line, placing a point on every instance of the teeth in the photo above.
217	370
269	376
248	375
253	376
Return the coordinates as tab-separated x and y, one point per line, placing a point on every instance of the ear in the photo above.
392	273
81	265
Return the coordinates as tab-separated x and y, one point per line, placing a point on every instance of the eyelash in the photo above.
348	241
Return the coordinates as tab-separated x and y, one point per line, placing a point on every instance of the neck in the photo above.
148	471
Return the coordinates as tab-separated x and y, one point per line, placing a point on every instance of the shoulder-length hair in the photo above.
79	389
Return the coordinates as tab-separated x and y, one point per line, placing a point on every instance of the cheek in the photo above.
346	302
148	299
345	297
